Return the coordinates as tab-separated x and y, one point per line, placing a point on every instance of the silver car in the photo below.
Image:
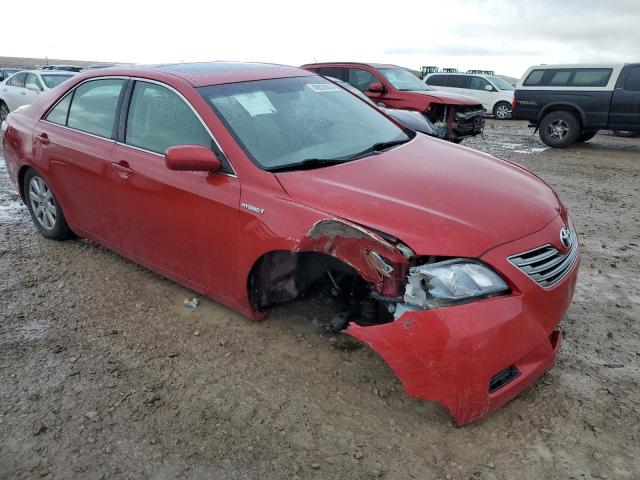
23	87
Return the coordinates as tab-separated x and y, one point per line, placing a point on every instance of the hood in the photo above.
439	198
446	97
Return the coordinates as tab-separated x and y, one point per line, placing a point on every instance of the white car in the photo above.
493	92
23	87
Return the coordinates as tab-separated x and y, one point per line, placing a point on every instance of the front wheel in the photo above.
502	110
4	111
559	129
625	133
44	208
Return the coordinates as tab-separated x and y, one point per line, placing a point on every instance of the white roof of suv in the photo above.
615	68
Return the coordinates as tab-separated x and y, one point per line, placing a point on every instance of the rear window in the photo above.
569	77
633	80
54	80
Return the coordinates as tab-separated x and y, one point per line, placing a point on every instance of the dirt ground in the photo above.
105	374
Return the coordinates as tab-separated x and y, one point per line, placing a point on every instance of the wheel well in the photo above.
21	173
561	108
283	276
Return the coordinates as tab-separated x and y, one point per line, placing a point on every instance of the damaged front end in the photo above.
451	329
456	122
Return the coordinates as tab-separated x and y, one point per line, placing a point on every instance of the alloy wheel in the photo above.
42	203
558	129
503	112
4	111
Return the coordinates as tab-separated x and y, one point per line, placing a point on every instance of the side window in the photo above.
534	78
633	80
437	80
33	79
361	79
158	119
591	77
459	81
17	80
478	83
334	72
58	114
93	108
560	77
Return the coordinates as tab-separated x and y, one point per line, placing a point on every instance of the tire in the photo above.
586	135
4	111
502	110
560	129
625	133
44	209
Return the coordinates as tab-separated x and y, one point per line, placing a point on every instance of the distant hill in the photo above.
32	63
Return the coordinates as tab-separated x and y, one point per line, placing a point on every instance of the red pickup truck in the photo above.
395	87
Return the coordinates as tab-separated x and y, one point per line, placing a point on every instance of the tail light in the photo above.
513	103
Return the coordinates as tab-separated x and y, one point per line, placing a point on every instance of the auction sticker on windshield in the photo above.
256	103
323	87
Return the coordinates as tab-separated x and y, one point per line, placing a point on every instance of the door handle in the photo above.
122	168
23	93
43	138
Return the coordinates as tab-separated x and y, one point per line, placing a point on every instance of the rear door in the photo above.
625	104
14	91
74	140
477	90
183	224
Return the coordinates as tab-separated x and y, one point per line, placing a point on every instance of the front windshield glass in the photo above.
501	84
54	80
287	121
403	80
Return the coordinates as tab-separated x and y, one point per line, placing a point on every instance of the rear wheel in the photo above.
44	208
502	110
559	129
4	111
586	135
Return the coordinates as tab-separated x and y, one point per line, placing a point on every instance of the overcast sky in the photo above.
505	36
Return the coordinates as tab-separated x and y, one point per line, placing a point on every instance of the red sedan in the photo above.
254	184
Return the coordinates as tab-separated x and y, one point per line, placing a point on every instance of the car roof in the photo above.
578	65
200	74
363	64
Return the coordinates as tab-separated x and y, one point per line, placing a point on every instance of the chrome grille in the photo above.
546	265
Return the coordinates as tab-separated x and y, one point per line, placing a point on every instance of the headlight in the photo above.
450	282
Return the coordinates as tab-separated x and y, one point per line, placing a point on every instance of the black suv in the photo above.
570	103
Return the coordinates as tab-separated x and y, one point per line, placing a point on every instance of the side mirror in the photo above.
375	87
488	88
33	87
191	158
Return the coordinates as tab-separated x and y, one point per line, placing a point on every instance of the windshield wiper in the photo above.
308	163
379	147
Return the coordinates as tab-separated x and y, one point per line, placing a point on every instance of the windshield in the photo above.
287	121
403	80
501	84
54	80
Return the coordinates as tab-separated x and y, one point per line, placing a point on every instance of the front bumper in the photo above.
474	358
468	121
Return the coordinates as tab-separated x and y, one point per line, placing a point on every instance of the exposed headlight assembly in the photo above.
450	282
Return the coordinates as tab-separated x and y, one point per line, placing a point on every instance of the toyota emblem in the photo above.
565	237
